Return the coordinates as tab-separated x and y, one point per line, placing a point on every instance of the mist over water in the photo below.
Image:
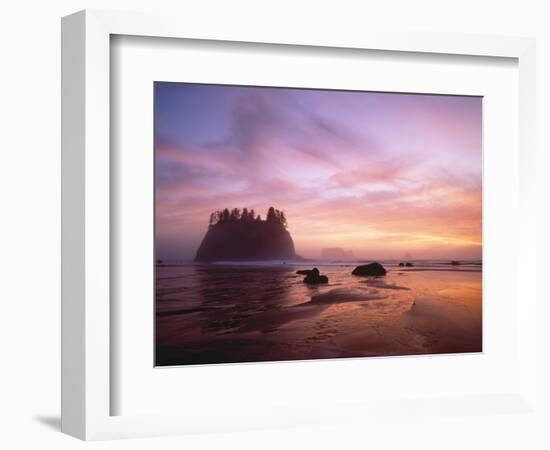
244	312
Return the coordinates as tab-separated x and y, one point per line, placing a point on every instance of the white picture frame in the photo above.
86	218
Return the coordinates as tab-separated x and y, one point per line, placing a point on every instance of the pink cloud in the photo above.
402	177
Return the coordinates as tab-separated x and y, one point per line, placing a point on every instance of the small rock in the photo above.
408	264
314	277
401	265
321	279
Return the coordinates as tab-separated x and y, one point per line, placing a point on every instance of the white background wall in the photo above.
29	233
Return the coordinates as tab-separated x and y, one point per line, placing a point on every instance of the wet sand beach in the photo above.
225	313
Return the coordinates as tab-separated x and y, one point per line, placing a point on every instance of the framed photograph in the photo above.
252	217
376	250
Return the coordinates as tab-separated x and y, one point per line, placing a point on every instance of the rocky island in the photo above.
242	236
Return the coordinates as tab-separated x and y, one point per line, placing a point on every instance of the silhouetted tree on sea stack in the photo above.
224	215
235	214
273	216
276	216
282	218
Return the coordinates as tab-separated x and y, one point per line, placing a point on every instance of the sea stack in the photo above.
242	236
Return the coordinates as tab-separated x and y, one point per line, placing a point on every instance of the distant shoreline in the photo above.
418	265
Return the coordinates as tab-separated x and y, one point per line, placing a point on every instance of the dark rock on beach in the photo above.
455	263
408	264
401	264
314	277
372	269
304	272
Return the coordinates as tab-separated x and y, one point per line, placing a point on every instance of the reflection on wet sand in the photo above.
219	314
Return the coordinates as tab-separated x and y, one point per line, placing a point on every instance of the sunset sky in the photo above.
384	175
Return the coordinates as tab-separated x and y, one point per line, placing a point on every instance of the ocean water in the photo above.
250	312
